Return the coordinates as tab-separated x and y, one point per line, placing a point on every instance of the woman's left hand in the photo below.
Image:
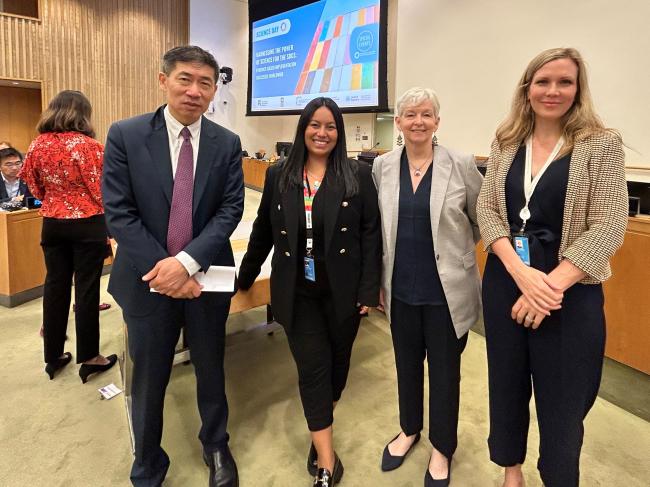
524	313
363	309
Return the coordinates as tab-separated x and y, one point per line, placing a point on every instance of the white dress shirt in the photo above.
12	188
174	128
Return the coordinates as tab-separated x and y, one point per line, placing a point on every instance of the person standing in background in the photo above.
63	169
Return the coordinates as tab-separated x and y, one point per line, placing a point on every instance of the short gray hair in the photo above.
415	96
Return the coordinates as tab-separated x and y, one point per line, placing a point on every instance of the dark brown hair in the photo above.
69	111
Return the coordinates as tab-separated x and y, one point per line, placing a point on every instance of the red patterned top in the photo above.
64	171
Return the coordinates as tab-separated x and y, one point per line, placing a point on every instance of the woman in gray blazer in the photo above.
430	281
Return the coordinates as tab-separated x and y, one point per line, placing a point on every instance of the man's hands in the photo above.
190	290
19	197
170	278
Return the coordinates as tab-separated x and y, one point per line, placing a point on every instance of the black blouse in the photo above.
415	274
321	286
546	208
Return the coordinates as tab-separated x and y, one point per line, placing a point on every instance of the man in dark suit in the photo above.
173	194
12	188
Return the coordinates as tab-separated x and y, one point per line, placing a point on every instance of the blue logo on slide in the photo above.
274	29
364	44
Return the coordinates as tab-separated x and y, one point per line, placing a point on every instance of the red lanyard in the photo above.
308	196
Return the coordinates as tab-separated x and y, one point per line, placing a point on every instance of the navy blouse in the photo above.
546	206
415	274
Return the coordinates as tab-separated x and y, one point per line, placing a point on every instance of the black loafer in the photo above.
223	469
391	462
325	478
312	461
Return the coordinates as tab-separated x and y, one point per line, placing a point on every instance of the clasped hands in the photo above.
540	295
169	277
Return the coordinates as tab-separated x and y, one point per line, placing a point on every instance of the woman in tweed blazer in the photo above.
545	320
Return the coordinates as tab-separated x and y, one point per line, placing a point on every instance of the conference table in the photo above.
22	266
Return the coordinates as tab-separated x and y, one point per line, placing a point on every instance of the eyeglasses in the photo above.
13	164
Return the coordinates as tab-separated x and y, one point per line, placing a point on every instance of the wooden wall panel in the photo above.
28	8
21	109
109	50
20	48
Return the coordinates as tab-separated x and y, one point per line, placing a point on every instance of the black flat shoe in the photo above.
58	364
325	478
391	462
223	469
86	369
429	481
312	461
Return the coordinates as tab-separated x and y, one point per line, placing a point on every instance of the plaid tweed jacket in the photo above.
596	205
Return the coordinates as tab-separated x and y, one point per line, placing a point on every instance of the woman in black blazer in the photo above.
319	213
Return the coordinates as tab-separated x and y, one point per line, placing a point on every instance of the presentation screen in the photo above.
334	48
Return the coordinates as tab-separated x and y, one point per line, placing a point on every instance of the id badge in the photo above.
310	269
520	242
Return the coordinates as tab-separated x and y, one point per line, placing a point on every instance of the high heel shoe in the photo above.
86	369
61	362
312	461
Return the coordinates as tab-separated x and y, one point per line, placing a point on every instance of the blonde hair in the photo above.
580	121
415	96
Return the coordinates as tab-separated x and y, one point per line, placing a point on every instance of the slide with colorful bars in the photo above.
330	66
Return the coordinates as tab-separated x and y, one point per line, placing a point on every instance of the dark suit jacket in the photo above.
137	191
352	245
22	189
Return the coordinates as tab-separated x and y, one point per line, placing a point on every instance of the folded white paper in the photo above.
218	279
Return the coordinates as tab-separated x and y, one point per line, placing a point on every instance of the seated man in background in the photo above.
12	187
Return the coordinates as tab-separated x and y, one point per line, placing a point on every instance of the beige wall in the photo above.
472	53
384	133
110	50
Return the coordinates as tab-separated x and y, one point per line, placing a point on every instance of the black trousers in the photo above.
74	247
152	341
321	346
561	361
420	331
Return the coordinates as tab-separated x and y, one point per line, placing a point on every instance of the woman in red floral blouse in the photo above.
63	169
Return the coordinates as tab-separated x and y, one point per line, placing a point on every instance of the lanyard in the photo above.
531	183
308	196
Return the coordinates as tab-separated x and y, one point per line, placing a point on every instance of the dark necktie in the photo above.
179	231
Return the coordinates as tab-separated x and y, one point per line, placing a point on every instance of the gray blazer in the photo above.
455	187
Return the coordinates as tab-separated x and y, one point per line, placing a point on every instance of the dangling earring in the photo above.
434	141
399	140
